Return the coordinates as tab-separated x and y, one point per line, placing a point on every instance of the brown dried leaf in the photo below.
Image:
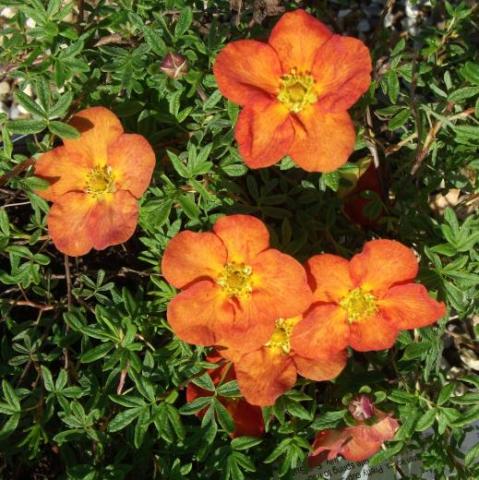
266	8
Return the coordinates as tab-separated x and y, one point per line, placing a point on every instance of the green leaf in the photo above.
30	105
463	93
466	418
178	164
426	420
96	353
124	418
10	396
189	206
184	22
25	127
399	119
244	443
47	379
445	393
36	183
223	416
328	420
204	382
416	350
196	405
4	222
63	130
470	72
61	107
472	456
154	41
229	389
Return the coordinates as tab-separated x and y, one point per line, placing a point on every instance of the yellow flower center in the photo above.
235	279
99	181
296	90
359	304
280	340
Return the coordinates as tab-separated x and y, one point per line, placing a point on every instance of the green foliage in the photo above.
93	380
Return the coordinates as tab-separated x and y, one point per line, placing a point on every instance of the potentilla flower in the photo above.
295	90
95	183
271	370
356	443
248	419
233	285
361	408
365	302
174	65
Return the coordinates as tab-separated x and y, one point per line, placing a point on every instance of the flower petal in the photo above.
247	70
383	263
327	445
323	142
324	330
99	127
67	223
132	160
324	367
113	220
410	306
264	134
297	37
366	440
373	333
280	285
251	329
329	277
77	221
264	375
244	236
248	418
195	313
342	70
65	170
190	256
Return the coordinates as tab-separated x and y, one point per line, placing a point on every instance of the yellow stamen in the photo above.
280	340
236	279
100	181
296	90
359	304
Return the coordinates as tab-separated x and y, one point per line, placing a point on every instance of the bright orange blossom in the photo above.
95	183
234	286
356	443
295	90
364	302
271	370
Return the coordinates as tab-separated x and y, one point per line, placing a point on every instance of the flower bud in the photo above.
174	65
361	408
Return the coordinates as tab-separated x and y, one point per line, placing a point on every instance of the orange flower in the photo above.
248	419
234	285
271	370
356	443
295	91
365	302
95	183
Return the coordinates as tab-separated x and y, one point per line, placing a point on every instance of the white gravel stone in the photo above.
8	12
4	89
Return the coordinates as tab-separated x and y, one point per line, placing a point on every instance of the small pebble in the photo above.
8	12
30	23
364	26
4	89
